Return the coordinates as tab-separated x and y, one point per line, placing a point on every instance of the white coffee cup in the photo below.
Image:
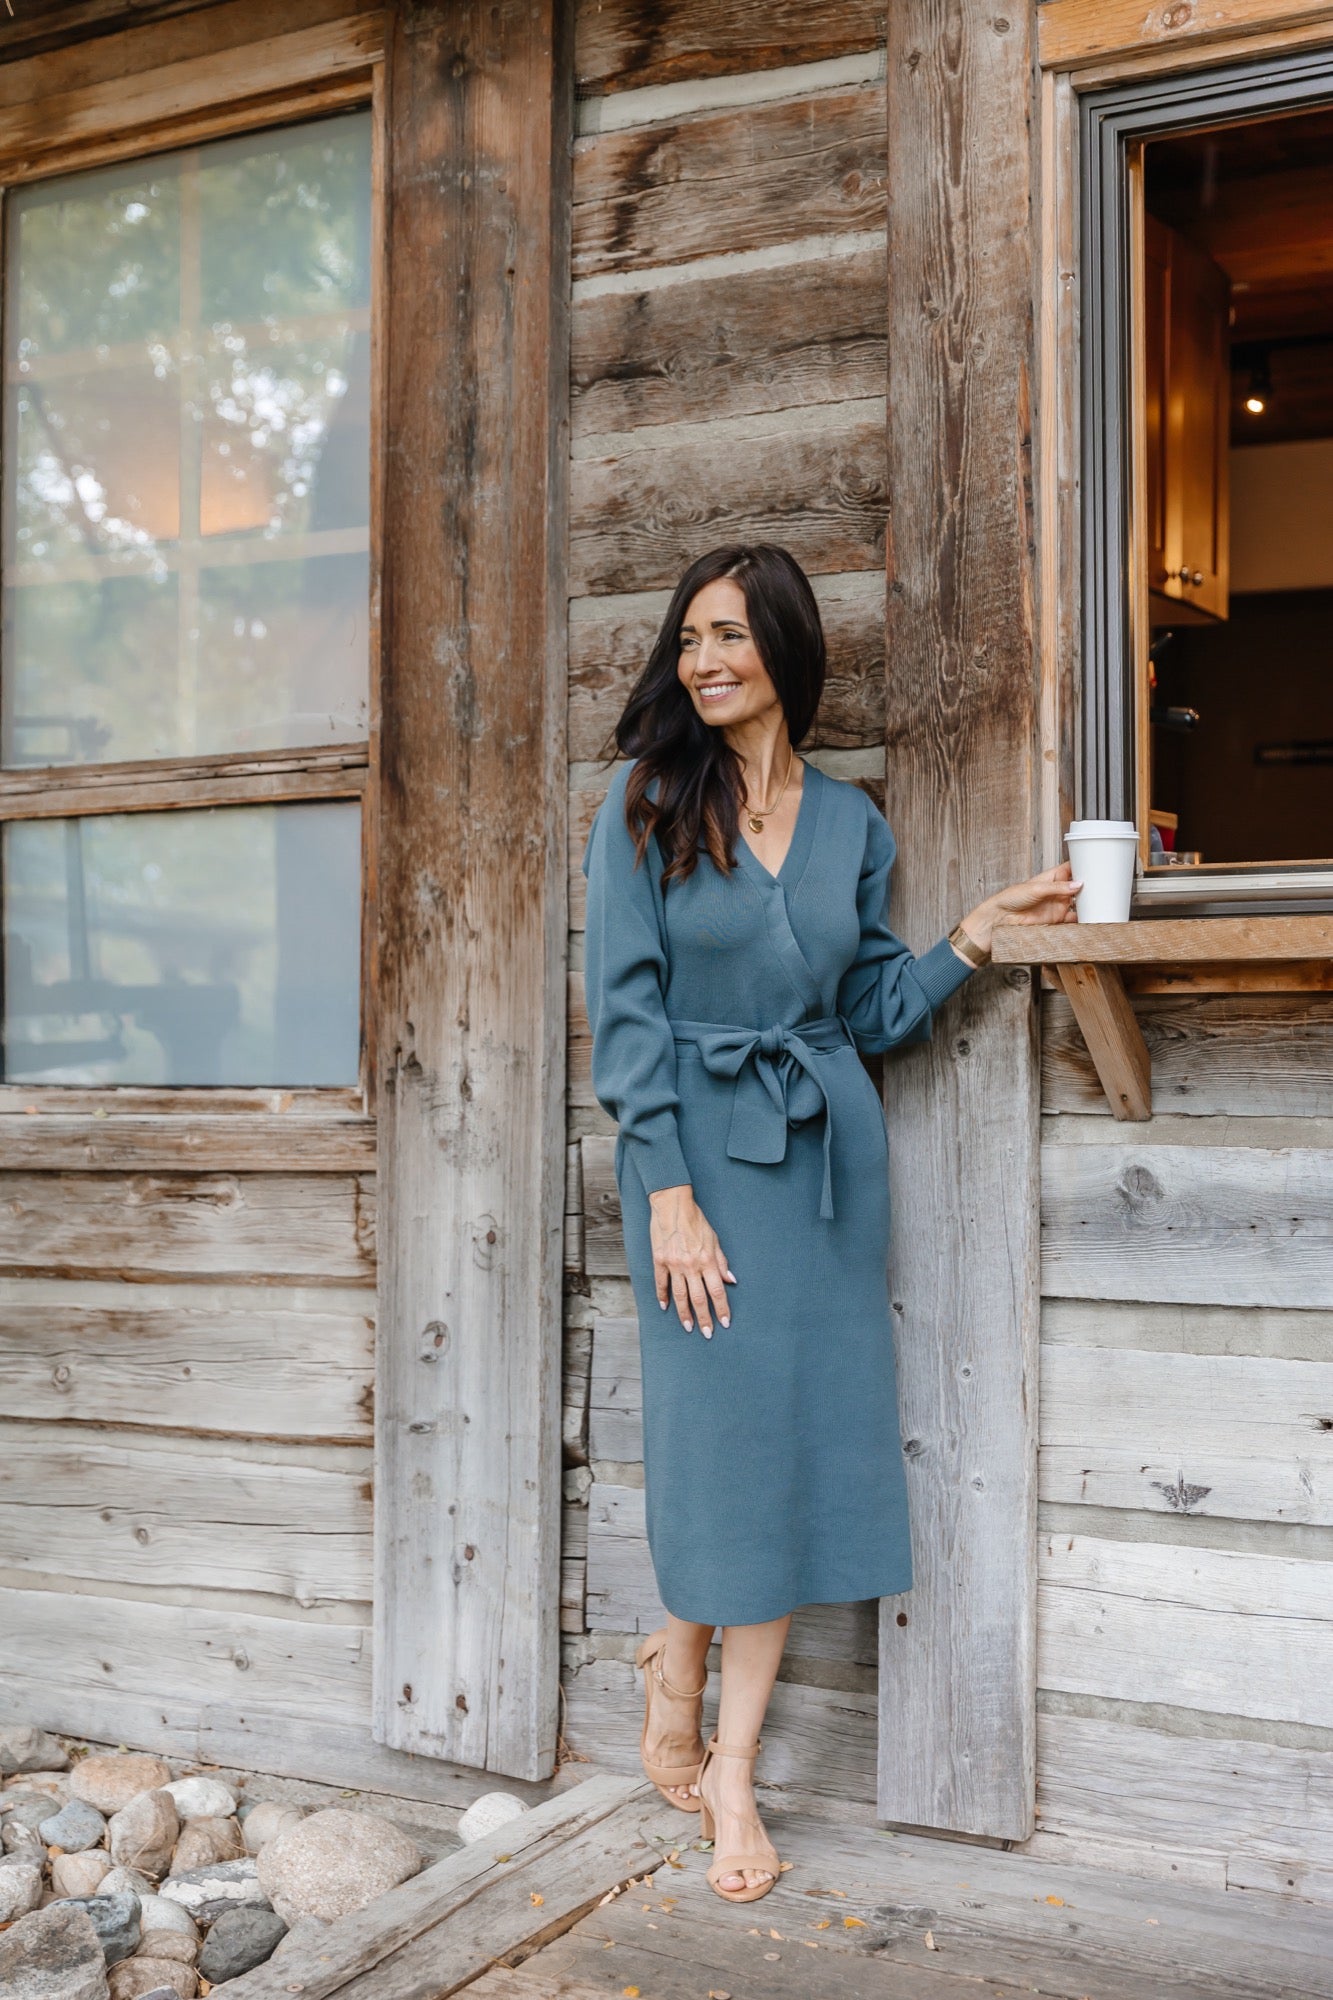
1102	854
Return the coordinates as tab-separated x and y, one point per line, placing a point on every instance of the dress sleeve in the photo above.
886	995
633	1048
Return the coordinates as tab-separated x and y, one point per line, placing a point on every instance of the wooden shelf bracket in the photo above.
1115	1040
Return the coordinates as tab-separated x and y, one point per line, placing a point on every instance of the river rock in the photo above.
20	1890
75	1875
16	1838
30	1812
201	1797
110	1781
143	1833
117	1880
204	1841
207	1892
134	1977
75	1828
114	1918
50	1784
170	1944
484	1815
23	1748
159	1914
335	1862
238	1941
54	1954
265	1820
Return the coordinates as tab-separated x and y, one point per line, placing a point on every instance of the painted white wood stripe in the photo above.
624	109
729	264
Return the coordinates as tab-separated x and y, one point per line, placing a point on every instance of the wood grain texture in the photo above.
1241	1437
805	333
1071	32
171	1656
255	1227
196	1363
165	1143
150	1512
434	1933
609	645
1212	1054
604	1245
1208	1225
734	180
1165	940
816	1740
472	922
625	45
1266	1810
956	1673
1112	1037
1211	1629
638	518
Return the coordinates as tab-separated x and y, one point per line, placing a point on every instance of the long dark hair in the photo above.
698	773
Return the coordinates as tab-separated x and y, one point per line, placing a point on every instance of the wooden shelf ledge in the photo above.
1089	963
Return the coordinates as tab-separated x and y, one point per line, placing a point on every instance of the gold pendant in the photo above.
756	825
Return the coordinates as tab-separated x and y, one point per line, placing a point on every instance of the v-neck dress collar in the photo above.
802	841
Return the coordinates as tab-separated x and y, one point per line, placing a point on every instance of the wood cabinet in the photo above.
1186	427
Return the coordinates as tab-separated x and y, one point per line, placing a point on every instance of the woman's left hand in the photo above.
1047	898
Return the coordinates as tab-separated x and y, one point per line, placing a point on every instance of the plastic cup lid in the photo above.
1102	829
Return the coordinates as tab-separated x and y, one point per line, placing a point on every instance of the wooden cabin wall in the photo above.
1185	1606
727	383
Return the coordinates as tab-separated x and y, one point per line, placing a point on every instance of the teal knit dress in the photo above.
728	1013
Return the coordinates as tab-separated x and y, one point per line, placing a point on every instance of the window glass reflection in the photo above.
214	946
187	433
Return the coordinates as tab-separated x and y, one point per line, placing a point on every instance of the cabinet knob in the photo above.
1183	573
1197	576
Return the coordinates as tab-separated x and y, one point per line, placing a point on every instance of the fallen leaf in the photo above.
716	1993
535	1899
778	1935
668	1902
1151	1920
1058	1901
822	1925
853	1923
783	1866
930	1941
504	1857
630	1992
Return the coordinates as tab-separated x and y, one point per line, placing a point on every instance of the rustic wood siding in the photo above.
1185	1546
727	382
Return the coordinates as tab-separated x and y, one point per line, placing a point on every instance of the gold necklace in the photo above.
756	819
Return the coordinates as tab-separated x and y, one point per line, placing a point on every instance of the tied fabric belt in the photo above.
778	1084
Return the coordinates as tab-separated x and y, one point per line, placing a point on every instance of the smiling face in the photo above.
720	668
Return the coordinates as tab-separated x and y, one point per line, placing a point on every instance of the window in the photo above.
1208	489
186	647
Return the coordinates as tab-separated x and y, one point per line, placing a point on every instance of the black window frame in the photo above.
1111	120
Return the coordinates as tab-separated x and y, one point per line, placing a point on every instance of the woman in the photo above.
739	962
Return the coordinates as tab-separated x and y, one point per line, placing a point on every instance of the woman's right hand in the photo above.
688	1264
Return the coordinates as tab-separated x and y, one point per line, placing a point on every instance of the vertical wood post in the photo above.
471	938
957	1676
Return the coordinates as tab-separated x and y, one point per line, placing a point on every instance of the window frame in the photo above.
294	78
1114	121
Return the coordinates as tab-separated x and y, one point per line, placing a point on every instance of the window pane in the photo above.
187	452
215	946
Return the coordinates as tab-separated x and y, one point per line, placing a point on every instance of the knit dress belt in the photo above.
777	1083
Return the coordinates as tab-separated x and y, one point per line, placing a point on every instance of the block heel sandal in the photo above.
734	1864
649	1657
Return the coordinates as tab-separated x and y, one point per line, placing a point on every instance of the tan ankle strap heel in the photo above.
765	1859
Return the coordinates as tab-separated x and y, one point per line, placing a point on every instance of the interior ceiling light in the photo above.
1261	387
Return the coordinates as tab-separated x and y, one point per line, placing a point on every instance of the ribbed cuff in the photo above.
940	972
659	1162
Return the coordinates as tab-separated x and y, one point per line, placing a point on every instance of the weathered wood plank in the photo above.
257	1227
621	45
809	332
956	1688
615	1392
141	1511
59	55
472	920
1188	1329
1213	1629
299	1144
1246	1438
1081	31
170	1656
1211	1053
1265	1808
608	649
666	193
192	1361
638	518
817	1741
1166	941
1224	1225
433	1934
603	1243
47	24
